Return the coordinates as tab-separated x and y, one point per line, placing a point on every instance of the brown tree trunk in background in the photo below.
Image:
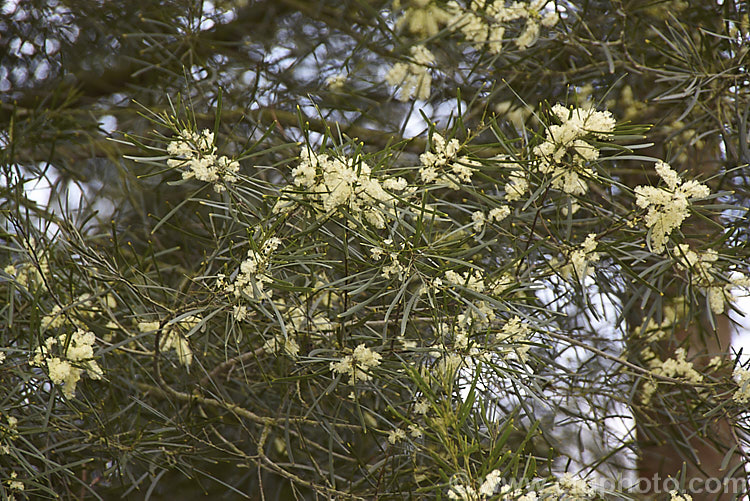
703	448
704	442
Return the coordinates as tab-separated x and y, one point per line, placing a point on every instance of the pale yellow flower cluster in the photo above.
442	165
475	318
456	348
503	283
566	487
701	266
580	259
677	368
415	431
331	182
465	492
566	151
484	22
396	435
74	357
315	321
742	376
447	363
196	153
414	76
667	207
357	365
394	268
479	219
654	331
516	495
54	319
479	316
253	273
173	337
14	484
8	433
517	187
571	487
471	280
336	82
27	275
423	17
281	343
491	482
514	338
463	353
651	332
676	496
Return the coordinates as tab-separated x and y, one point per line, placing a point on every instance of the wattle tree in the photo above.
373	249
